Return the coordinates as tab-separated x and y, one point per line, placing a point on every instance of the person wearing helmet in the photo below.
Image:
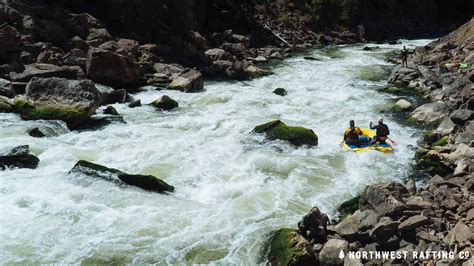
382	131
352	133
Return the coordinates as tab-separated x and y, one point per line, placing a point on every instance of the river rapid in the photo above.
232	188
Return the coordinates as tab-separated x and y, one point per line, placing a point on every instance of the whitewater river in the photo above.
232	188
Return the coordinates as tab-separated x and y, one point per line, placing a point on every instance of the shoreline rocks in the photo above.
438	215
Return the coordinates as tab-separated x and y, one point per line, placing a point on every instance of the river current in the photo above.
232	188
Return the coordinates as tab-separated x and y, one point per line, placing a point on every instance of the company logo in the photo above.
413	255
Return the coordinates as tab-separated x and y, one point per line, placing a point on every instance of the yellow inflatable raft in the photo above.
365	139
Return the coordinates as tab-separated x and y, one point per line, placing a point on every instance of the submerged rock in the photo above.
36	133
134	104
165	103
72	101
146	182
280	91
287	247
19	157
297	136
110	110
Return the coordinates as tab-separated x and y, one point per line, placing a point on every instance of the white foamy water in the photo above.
232	189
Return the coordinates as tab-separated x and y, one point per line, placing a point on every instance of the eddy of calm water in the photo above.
232	188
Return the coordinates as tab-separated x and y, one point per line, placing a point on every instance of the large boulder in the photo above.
355	226
47	71
146	182
287	247
332	250
243	70
72	101
98	36
189	80
295	135
413	222
461	116
18	157
466	136
402	105
112	69
314	225
11	39
217	54
384	198
165	103
430	113
128	46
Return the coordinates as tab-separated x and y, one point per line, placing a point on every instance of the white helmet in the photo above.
380	120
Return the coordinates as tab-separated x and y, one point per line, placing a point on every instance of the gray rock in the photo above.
446	127
112	69
430	113
72	101
98	36
217	54
466	136
189	80
403	105
47	71
352	227
413	222
461	116
332	251
126	46
417	203
384	228
165	103
460	235
384	198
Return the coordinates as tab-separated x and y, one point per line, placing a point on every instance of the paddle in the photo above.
393	142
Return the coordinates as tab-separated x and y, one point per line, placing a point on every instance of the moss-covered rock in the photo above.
441	142
432	163
6	105
391	90
146	182
72	101
433	138
287	247
295	135
348	207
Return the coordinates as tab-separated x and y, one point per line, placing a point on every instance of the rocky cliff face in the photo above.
380	20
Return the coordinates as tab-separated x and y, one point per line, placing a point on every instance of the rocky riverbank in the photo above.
435	216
